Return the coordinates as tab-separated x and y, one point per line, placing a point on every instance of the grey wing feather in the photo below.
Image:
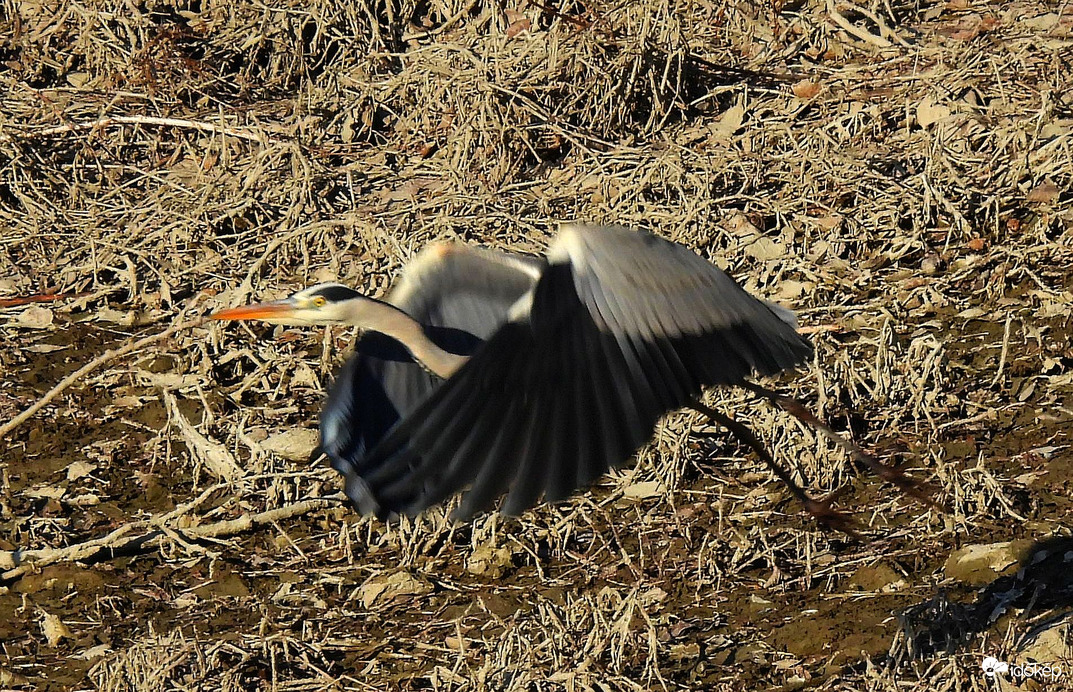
464	287
627	366
641	285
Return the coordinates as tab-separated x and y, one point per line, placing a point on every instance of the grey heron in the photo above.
501	374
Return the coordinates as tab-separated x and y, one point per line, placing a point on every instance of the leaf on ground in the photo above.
806	89
929	112
124	318
791	289
829	222
765	249
296	444
518	23
969	27
54	629
653	596
79	469
34	317
643	490
489	561
1044	193
387	588
43	492
730	122
981	563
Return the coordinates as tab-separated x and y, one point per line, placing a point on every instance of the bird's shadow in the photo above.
1042	582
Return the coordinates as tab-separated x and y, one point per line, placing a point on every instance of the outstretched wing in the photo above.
462	295
623	327
464	287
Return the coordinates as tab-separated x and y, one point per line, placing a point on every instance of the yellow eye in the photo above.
319	302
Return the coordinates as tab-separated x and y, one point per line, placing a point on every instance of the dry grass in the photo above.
901	174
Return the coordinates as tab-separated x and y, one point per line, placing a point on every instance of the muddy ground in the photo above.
900	174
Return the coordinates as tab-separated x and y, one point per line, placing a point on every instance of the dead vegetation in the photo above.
899	173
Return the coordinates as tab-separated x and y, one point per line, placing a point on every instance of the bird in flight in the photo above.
489	373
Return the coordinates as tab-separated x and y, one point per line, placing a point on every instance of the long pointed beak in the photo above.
257	311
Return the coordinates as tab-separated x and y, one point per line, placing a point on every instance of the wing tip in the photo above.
362	496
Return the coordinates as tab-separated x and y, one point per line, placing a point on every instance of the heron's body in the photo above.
501	374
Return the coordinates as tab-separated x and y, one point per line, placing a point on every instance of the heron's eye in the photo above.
319	302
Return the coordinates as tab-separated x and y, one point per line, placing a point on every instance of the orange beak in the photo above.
257	311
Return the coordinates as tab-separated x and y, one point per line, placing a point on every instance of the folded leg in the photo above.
918	490
820	509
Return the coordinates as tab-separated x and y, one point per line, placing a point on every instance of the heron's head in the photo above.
321	304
